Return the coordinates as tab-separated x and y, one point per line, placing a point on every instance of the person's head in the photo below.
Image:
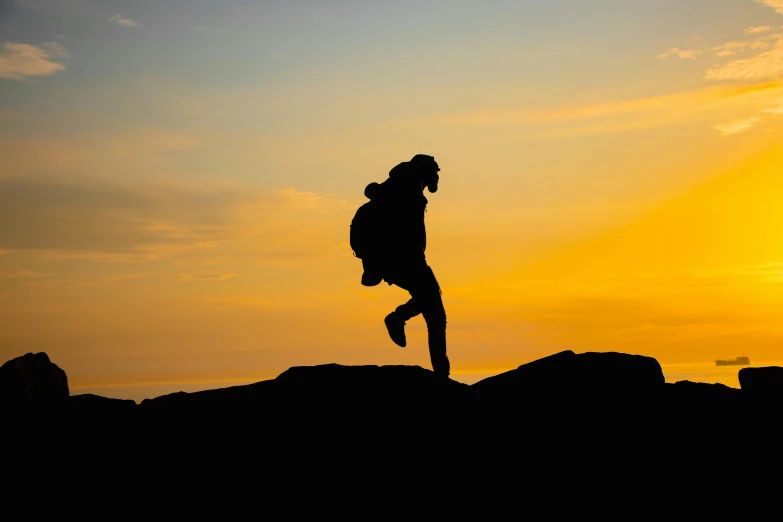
427	169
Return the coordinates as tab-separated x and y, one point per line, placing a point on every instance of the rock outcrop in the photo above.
762	383
700	395
567	376
32	380
326	390
88	404
595	393
606	421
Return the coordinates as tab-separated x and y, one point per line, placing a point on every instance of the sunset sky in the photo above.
177	180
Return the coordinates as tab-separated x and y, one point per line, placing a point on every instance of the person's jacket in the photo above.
404	204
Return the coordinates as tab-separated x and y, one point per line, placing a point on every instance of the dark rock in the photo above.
549	414
696	417
303	399
222	399
762	383
90	405
601	396
699	402
32	380
580	378
565	419
703	394
328	385
405	387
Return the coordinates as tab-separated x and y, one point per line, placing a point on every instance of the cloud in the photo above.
121	20
685	54
311	201
236	301
777	5
131	151
778	109
206	277
764	273
766	65
736	126
623	115
20	61
757	29
732	48
109	223
61	283
22	274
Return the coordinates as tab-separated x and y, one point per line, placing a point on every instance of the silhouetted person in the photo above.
398	253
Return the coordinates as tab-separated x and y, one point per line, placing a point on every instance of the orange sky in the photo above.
165	218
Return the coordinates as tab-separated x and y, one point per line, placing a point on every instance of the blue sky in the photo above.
368	46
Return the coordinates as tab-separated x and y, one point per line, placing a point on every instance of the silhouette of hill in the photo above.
611	412
564	381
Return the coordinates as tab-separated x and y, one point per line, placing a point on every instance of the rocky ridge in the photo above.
566	411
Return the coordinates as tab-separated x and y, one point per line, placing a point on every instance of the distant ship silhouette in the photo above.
739	361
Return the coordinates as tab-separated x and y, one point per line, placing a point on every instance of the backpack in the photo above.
364	231
367	227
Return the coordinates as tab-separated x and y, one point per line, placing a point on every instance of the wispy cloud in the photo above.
684	54
109	222
757	29
778	109
311	201
734	47
777	5
624	115
106	223
206	277
760	66
145	148
637	308
736	126
62	283
20	61
22	274
765	272
121	20
766	65
236	301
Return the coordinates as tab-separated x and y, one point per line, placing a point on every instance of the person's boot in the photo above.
396	328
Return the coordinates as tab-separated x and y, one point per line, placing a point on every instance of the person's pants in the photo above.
426	299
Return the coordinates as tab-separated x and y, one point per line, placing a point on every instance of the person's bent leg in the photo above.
408	310
395	321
